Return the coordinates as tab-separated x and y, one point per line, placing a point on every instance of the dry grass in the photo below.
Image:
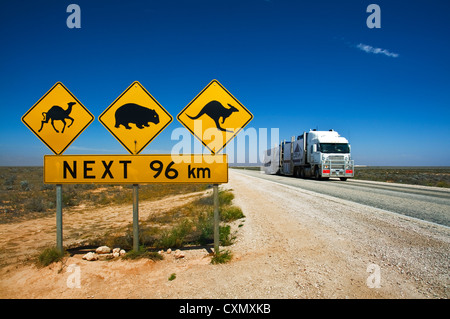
186	225
23	195
427	176
419	175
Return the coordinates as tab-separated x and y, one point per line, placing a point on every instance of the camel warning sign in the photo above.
135	118
214	117
58	118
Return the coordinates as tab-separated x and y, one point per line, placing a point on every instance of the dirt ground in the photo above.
293	244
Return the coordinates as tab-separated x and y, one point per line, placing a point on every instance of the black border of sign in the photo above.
117	138
76	136
234	135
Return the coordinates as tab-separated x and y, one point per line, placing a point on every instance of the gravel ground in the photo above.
423	202
294	244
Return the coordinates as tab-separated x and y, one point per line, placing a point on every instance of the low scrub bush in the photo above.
175	237
222	257
225	238
205	228
231	213
49	256
172	277
143	253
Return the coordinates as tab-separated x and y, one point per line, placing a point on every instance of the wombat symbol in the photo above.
215	110
134	113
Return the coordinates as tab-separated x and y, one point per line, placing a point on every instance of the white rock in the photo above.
105	256
169	251
116	250
179	254
116	254
122	252
103	250
90	256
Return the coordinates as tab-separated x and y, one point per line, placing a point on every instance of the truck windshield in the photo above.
333	148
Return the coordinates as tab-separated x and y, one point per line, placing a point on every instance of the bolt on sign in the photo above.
214	117
135	169
58	118
135	118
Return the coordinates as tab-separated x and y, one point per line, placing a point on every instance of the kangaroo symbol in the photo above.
215	110
57	113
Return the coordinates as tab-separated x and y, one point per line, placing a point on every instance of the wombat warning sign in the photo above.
135	118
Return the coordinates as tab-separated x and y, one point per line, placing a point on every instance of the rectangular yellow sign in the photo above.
135	169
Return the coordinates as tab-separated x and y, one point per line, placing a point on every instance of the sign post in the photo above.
135	118
57	119
136	217
135	169
215	117
59	227
216	218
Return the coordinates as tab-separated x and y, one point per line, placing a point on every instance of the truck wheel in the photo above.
343	179
316	173
302	173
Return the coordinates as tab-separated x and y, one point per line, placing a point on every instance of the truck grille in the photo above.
336	157
337	166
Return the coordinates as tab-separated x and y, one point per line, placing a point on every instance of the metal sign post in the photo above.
216	110
216	218
136	217
59	230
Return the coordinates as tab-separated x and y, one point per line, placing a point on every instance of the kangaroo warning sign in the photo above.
135	169
214	117
135	118
58	118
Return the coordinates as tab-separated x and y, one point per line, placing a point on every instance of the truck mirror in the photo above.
314	148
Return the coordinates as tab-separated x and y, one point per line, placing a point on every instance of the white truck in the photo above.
321	154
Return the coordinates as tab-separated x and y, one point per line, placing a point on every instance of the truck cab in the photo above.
329	155
319	154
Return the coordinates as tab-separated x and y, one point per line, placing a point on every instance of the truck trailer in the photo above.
318	154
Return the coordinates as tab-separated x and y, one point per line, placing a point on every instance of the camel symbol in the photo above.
57	113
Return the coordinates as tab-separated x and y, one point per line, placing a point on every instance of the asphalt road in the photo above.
431	204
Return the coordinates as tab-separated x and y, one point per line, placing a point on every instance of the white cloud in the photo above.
371	49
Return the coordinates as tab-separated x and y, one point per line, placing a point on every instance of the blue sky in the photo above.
296	65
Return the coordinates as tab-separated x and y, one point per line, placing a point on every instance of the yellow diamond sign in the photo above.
135	118
214	116
57	118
